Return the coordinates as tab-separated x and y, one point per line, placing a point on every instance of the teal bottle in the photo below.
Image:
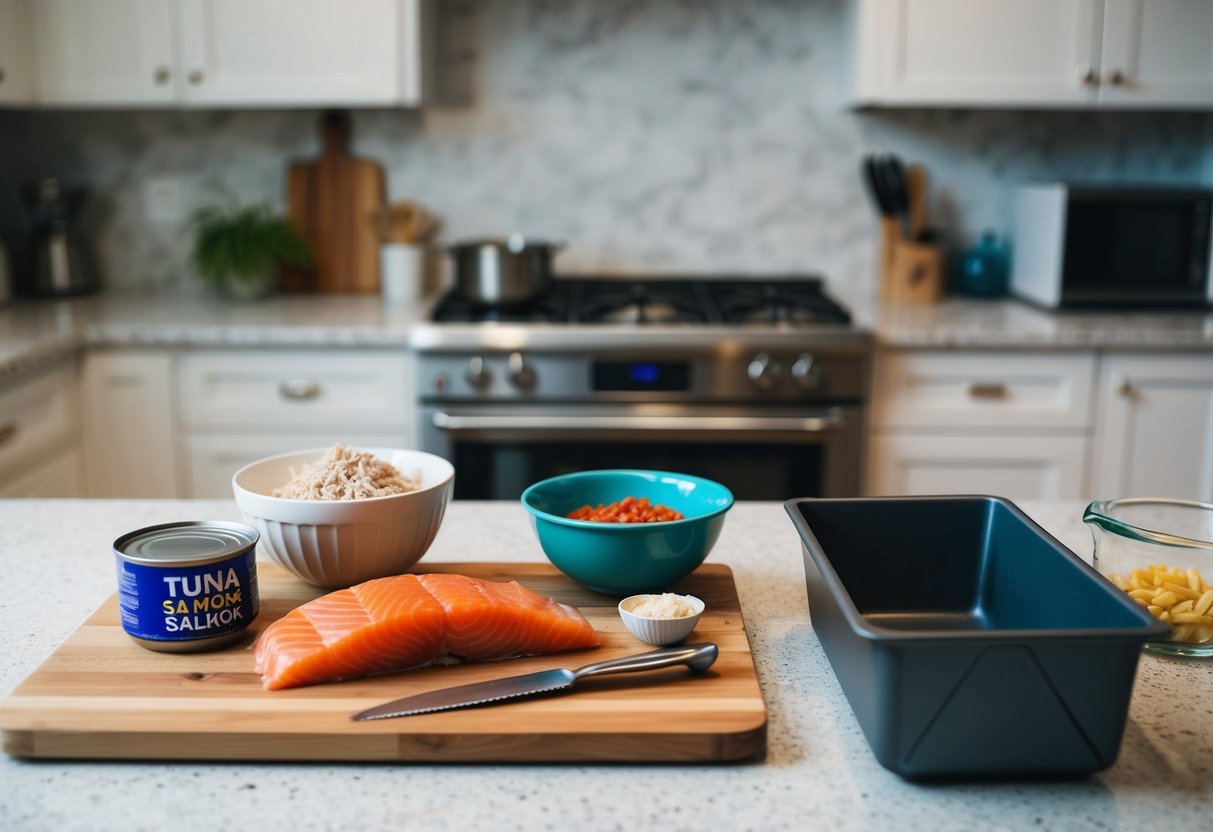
982	271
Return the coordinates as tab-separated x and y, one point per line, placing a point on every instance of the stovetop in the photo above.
793	300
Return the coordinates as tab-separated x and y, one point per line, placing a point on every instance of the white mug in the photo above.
402	272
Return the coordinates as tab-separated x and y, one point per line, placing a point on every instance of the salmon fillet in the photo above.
410	620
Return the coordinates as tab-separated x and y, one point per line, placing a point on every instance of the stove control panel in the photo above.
776	374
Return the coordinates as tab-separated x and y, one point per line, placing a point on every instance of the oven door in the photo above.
770	453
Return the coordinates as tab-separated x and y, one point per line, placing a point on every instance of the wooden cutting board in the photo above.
101	696
332	201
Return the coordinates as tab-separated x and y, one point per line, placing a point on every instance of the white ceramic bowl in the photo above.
337	544
659	631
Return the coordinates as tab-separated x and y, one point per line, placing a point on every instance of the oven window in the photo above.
502	470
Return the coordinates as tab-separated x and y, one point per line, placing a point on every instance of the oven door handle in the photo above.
831	420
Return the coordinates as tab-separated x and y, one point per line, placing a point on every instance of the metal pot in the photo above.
502	272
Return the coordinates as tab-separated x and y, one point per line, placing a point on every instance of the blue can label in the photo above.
184	603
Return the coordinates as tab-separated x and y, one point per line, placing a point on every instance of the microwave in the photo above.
1094	246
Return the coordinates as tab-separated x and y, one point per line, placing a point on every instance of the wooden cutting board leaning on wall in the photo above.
331	201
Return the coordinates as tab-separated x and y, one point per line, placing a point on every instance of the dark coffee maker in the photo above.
58	263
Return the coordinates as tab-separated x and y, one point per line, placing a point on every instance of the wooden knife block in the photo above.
909	272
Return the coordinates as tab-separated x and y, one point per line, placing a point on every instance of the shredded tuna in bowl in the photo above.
336	543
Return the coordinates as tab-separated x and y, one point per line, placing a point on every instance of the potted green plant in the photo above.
238	251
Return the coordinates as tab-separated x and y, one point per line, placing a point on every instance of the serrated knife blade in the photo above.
698	657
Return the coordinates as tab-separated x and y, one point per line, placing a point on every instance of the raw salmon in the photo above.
410	620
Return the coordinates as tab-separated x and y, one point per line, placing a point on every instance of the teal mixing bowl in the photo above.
627	558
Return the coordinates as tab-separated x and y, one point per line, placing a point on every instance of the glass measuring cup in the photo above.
1136	539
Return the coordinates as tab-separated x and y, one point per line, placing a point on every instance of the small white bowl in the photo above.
659	631
338	543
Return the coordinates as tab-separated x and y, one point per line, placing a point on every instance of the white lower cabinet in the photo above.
1015	425
237	406
214	458
40	435
1018	467
130	432
61	476
1154	435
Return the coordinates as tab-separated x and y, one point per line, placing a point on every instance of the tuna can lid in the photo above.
193	542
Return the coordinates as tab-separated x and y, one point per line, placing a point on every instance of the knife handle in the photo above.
698	657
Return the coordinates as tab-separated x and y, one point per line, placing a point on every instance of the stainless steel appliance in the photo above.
758	384
60	265
1113	246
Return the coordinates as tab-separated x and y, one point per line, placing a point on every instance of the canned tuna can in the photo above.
187	587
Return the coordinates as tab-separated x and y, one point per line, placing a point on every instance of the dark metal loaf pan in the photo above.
968	641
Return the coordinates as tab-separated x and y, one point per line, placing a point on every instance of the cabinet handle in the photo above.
7	433
1087	76
195	76
299	390
1116	78
1	75
162	76
1128	391
988	390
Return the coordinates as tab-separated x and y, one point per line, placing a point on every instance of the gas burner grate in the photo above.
656	302
772	302
792	300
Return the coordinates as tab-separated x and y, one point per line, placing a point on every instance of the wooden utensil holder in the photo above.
910	272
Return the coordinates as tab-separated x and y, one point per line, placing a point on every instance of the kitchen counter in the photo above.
37	332
818	771
1013	325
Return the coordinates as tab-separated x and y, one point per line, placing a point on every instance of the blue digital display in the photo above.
644	373
641	376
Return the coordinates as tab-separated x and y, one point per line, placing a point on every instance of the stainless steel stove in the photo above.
758	383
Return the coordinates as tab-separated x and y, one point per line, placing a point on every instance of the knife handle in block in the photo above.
916	200
890	237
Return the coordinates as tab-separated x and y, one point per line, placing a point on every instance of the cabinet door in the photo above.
57	478
105	52
301	52
212	459
16	31
978	52
1017	467
1154	429
129	444
1157	53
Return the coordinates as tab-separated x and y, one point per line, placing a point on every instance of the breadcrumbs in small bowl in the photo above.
338	516
661	619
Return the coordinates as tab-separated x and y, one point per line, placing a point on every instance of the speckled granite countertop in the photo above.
34	333
818	772
1008	324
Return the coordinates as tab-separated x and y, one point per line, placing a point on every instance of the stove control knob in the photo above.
478	374
521	374
806	372
763	372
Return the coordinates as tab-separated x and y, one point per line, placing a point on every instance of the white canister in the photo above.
402	272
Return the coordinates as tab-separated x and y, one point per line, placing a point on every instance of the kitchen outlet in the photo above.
162	202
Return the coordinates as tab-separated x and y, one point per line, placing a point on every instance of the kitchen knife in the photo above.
698	657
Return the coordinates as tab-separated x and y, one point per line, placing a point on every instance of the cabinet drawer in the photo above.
1016	467
37	420
268	390
995	390
212	459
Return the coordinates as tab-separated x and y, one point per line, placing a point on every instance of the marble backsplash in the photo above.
676	135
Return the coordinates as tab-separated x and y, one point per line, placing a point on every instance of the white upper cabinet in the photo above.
1033	53
976	52
16	64
208	53
105	52
236	52
1157	52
